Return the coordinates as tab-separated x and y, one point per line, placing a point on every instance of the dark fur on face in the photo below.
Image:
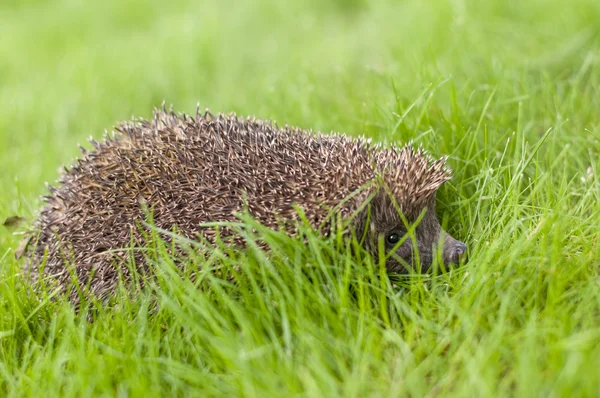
383	220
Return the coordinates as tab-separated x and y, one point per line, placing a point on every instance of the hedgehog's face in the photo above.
384	223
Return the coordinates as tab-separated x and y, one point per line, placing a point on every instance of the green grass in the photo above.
509	90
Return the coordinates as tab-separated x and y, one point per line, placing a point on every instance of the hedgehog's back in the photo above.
187	171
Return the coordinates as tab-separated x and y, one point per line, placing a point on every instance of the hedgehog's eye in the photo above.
392	238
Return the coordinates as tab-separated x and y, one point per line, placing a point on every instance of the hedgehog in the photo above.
194	170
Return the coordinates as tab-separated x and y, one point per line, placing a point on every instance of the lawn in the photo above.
508	90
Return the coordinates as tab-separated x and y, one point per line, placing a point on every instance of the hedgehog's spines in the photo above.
193	169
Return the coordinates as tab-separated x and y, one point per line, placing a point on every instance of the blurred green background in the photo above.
70	69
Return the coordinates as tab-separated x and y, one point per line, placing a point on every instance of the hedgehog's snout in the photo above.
455	251
459	252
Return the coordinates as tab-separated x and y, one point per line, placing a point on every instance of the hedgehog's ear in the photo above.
383	207
366	209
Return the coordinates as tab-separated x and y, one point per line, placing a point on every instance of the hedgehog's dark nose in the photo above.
459	253
455	251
